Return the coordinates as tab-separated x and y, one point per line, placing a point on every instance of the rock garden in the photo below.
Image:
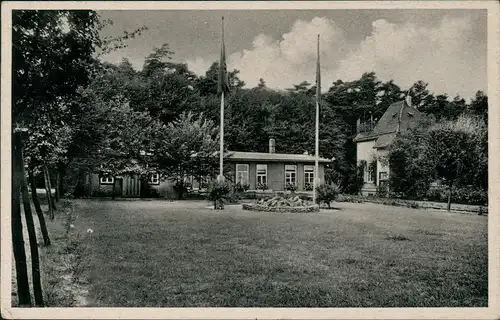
282	203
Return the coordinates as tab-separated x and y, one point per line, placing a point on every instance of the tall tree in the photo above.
23	289
189	149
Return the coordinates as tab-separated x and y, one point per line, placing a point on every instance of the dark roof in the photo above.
388	124
273	157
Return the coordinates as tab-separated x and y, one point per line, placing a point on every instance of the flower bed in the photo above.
282	204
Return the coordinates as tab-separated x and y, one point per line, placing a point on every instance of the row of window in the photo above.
153	179
242	171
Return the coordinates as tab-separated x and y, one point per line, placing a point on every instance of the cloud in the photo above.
441	55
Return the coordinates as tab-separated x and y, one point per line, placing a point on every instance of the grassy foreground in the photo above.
164	254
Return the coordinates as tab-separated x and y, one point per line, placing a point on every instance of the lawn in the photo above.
182	254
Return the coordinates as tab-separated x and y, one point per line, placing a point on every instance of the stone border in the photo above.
260	208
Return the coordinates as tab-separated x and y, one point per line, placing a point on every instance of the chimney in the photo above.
358	124
272	145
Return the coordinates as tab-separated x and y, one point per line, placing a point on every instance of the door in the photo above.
131	186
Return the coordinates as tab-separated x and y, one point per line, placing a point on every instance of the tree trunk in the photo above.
58	190
52	198
113	191
35	259
450	185
38	208
61	172
48	192
23	289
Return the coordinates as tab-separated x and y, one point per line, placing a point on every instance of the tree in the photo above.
454	151
189	148
479	106
35	260
411	171
421	98
23	289
456	148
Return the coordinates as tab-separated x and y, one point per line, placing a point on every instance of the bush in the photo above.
239	187
382	190
292	187
217	192
464	195
308	186
327	193
261	186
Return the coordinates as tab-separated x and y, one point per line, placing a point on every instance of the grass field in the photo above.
161	254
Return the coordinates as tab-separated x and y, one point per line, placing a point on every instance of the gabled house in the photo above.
374	137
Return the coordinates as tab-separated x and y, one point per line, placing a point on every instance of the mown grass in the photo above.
163	254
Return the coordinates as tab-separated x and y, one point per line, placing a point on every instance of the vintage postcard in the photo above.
250	160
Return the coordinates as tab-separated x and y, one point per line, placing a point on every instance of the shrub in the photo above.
327	193
308	186
181	188
240	187
292	187
464	195
261	186
217	192
382	190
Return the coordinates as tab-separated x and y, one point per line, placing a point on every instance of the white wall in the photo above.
365	150
380	167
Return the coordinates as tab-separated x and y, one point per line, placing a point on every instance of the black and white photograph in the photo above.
210	156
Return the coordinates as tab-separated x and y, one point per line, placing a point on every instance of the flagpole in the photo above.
221	150
316	160
221	78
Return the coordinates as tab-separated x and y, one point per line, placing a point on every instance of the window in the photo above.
309	174
382	176
155	178
262	176
242	173
107	180
369	173
290	174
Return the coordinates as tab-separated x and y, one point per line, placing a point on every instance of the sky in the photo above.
446	48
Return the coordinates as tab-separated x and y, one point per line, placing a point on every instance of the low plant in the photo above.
326	193
382	190
292	187
241	187
261	186
308	186
217	192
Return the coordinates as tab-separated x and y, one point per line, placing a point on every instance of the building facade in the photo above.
266	172
373	139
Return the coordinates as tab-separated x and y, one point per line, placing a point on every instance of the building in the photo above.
267	172
374	137
274	171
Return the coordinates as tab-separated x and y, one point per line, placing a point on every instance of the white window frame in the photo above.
369	173
288	174
154	179
245	173
380	176
309	174
107	180
261	175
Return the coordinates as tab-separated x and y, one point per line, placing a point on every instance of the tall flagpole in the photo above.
221	150
318	96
